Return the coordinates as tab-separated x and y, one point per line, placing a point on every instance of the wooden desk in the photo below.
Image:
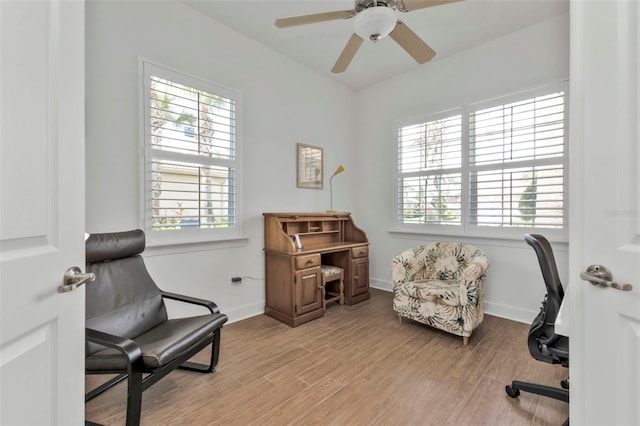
293	284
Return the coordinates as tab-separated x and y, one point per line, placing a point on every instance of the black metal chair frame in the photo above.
542	338
135	368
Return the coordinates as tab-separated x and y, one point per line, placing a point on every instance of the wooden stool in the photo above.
332	275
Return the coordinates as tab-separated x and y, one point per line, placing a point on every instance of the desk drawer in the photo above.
309	261
360	251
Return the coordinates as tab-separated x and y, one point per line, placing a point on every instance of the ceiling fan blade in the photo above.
409	5
347	54
409	41
314	17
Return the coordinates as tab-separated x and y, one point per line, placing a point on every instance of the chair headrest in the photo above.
114	245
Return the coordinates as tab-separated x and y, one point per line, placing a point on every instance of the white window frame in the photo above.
466	229
196	234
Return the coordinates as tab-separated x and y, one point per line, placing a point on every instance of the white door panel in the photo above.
605	212
41	211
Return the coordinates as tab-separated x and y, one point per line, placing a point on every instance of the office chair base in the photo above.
513	390
516	386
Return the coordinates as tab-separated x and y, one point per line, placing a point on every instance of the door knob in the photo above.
600	275
74	278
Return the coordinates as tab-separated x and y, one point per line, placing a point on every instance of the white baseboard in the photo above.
490	308
244	312
380	284
509	312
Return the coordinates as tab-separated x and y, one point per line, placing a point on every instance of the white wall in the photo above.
283	103
525	59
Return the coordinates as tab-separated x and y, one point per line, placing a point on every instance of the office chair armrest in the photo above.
127	346
550	341
213	308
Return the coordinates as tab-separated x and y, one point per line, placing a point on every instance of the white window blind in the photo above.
429	164
516	163
495	164
191	153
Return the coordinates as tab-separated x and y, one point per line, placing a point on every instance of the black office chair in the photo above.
544	344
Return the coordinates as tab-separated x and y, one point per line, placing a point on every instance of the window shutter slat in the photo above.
431	149
512	169
518	197
527	130
191	135
185	119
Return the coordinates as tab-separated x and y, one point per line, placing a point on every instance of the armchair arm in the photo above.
473	274
477	267
213	308
407	265
129	349
398	270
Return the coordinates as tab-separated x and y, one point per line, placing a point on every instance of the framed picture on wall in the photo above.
309	169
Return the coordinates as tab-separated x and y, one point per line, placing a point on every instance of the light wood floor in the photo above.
355	366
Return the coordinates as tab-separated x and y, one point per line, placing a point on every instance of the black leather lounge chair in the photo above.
128	332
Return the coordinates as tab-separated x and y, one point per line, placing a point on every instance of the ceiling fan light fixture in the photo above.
375	22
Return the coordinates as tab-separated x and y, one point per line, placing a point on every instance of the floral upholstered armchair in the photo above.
442	285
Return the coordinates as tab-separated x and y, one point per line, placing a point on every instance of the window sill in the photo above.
510	234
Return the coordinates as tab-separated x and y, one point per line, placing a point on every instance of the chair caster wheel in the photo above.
511	391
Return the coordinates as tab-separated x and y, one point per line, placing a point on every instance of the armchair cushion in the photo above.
445	291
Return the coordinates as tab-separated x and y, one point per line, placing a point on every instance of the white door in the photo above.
41	211
605	212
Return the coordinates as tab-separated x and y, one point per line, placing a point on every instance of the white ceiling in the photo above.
448	29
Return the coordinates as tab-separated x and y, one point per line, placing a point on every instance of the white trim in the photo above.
576	217
419	230
147	67
465	228
243	312
509	312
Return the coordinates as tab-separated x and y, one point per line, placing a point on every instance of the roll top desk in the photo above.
296	246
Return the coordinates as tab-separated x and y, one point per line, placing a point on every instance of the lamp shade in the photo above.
339	170
375	22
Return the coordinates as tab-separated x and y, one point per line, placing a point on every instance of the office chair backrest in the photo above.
542	331
124	300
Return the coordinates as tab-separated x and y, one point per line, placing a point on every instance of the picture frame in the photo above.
309	166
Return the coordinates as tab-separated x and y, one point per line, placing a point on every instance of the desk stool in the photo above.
333	278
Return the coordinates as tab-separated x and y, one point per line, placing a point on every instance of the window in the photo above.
499	164
429	164
191	157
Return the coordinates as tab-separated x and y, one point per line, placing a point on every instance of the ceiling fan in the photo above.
374	19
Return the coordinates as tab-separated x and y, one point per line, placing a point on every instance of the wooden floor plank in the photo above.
355	366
